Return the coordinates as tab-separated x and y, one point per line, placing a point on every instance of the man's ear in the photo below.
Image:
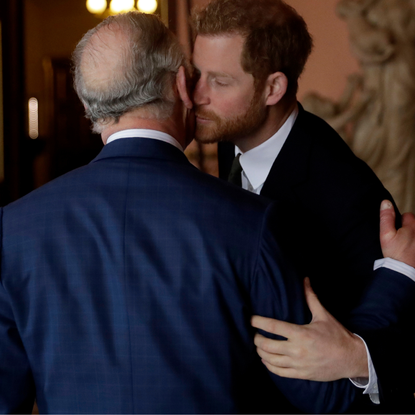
275	88
182	88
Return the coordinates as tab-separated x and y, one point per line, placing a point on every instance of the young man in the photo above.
248	56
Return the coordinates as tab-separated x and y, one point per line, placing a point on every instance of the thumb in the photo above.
312	300
387	222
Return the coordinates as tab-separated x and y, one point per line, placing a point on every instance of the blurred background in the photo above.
43	132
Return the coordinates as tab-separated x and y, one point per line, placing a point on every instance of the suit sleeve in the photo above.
388	302
383	319
17	392
351	221
277	292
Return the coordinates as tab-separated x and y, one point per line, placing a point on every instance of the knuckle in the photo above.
267	345
273	327
258	340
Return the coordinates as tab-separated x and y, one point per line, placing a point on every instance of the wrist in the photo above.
358	358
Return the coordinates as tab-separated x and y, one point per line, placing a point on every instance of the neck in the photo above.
276	117
137	120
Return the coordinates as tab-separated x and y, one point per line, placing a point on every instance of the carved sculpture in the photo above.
376	115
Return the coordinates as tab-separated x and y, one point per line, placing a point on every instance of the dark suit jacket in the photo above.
329	203
127	286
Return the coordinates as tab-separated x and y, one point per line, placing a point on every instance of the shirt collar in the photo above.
257	162
153	134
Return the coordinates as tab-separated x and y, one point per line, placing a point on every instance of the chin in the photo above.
206	138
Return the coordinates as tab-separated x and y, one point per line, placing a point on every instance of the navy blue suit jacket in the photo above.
127	286
328	203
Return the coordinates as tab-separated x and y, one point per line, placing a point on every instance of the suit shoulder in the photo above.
53	192
327	152
322	172
322	134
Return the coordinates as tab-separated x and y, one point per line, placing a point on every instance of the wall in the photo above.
1	115
54	27
331	60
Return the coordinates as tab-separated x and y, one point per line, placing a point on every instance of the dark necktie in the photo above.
235	173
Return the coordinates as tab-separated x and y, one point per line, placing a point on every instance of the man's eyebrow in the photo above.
222	74
218	74
213	74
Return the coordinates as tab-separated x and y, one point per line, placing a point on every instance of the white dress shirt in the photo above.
142	133
256	165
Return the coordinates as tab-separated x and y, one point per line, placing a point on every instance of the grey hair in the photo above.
150	59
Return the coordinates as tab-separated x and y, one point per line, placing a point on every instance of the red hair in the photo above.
276	36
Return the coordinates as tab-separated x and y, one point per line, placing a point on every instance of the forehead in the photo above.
218	53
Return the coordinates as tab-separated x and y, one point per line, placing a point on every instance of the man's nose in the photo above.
200	93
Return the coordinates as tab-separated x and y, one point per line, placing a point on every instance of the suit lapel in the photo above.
226	154
292	164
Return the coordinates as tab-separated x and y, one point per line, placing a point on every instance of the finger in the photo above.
271	346
312	300
274	326
283	371
387	221
275	359
408	219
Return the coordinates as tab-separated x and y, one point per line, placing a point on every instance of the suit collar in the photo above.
142	148
145	133
291	166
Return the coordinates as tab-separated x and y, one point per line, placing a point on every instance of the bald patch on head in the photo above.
104	59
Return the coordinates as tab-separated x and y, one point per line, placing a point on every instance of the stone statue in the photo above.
376	115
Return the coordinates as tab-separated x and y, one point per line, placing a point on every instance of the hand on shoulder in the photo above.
398	244
322	351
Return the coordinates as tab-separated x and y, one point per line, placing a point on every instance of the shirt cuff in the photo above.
397	266
370	385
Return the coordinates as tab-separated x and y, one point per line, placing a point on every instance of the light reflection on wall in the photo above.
119	6
147	6
99	7
96	6
33	118
1	115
